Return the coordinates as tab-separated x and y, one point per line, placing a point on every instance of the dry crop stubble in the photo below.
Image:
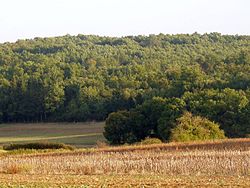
227	159
225	162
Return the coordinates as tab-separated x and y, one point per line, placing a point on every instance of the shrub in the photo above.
191	127
148	141
38	146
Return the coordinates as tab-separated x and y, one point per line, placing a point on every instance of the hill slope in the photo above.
79	78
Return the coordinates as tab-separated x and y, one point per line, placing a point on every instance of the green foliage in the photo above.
227	107
195	128
38	146
80	78
148	141
116	129
173	109
151	111
1	117
125	127
164	119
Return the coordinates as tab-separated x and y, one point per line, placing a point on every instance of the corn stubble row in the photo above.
194	162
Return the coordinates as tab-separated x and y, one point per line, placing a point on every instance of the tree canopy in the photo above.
87	77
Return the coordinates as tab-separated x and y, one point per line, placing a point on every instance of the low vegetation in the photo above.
149	141
37	146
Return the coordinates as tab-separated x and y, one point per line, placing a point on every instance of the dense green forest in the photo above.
80	78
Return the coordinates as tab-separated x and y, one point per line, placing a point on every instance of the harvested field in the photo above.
122	181
223	163
136	162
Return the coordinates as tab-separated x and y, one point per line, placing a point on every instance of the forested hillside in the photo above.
79	78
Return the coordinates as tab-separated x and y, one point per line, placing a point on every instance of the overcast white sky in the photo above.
20	19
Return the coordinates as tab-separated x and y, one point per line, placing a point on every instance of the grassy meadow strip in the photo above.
18	139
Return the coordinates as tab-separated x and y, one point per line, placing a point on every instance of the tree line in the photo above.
87	77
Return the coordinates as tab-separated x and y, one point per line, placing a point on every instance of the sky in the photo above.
25	19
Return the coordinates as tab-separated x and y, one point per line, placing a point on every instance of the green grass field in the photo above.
77	134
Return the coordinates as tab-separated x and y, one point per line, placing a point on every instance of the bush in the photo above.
148	141
38	146
191	127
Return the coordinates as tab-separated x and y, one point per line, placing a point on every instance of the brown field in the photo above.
122	181
224	163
